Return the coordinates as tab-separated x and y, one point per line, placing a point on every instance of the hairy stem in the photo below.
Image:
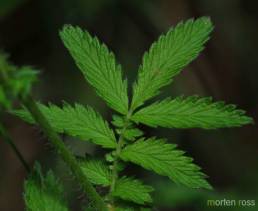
65	154
118	151
58	144
9	141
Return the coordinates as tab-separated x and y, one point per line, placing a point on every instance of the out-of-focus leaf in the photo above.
44	193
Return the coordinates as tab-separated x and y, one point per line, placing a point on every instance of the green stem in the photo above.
65	154
120	144
9	141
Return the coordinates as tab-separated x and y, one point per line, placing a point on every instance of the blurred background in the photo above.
226	70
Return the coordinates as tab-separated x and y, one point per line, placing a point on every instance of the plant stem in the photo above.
118	151
9	141
65	154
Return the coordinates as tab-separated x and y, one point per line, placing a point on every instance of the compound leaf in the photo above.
98	65
165	159
78	121
96	171
168	56
133	190
191	112
43	193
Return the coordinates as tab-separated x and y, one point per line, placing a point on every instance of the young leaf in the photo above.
14	81
44	192
133	190
96	171
191	112
132	134
22	80
78	121
165	159
118	121
168	56
98	66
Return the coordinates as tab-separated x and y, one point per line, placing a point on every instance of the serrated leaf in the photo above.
98	66
132	133
165	159
44	193
79	121
96	171
168	56
191	112
133	190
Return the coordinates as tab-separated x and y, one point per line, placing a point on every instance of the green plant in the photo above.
165	59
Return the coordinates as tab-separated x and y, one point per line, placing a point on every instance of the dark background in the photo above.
226	70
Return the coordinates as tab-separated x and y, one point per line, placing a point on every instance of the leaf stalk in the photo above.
120	144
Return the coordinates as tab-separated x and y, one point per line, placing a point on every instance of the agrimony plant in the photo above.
127	143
